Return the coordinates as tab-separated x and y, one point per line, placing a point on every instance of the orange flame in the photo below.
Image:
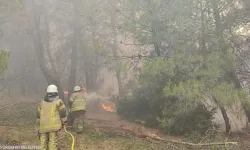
108	108
66	92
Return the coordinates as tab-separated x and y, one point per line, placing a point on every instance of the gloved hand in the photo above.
65	123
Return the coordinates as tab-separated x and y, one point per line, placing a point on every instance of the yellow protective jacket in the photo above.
51	115
77	101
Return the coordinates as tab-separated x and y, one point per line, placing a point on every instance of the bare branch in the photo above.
192	144
13	80
147	28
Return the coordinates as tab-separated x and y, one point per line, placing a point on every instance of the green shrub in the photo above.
171	119
153	102
145	104
197	120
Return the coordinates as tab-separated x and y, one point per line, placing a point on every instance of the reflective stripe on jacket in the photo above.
78	101
51	115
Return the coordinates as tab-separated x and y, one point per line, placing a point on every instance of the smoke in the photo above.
93	102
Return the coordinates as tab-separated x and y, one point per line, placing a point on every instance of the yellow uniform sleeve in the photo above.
38	112
72	98
62	110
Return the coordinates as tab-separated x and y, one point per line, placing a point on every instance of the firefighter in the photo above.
77	103
51	117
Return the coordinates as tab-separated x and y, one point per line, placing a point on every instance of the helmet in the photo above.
77	88
52	89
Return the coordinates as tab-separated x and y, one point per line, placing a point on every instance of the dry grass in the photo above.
17	128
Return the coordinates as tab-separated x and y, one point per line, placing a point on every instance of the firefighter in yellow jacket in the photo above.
77	103
51	117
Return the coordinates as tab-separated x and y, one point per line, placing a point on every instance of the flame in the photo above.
108	108
66	92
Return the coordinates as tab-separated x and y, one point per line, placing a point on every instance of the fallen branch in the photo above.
191	144
13	80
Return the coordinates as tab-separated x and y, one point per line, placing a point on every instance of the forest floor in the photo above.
103	130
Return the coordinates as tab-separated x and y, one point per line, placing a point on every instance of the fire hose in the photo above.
72	137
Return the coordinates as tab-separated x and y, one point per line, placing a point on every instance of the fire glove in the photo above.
64	123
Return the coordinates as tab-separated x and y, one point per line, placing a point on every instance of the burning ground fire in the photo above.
108	108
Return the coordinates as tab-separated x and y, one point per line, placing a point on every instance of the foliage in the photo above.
182	122
204	78
196	59
172	91
4	56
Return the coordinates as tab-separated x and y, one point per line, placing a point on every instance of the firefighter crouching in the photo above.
77	103
51	117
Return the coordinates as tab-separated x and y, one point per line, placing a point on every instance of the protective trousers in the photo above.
76	120
49	141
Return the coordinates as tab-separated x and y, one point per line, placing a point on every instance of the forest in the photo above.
175	74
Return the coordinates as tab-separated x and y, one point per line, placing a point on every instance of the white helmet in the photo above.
77	88
52	89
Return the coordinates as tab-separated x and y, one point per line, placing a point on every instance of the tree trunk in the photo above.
218	25
219	32
72	76
23	87
202	39
32	84
226	119
51	75
34	87
75	47
88	82
119	81
51	79
95	71
23	82
156	41
157	49
217	17
224	114
47	43
246	108
9	91
114	50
